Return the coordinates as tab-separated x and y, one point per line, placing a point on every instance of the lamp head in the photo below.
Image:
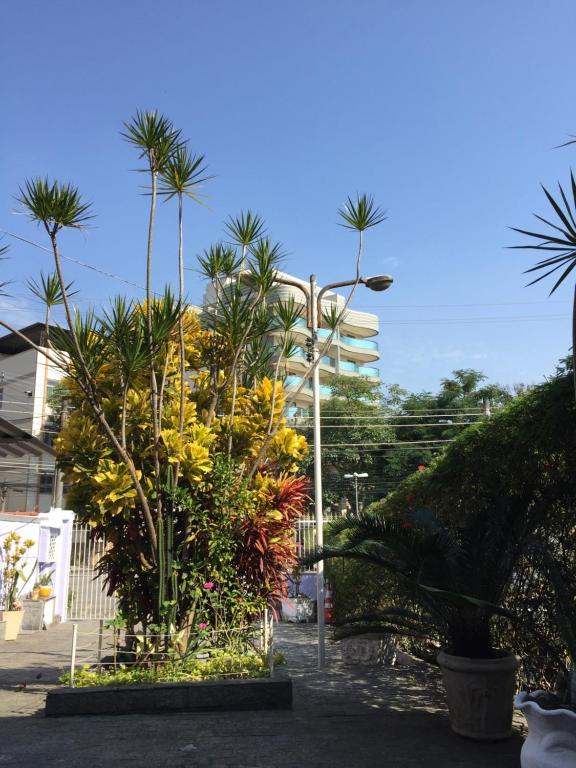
378	282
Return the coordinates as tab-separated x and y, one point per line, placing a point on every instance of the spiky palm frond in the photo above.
246	228
183	175
266	258
154	136
432	566
219	260
124	329
49	291
3	251
333	317
258	362
361	214
287	314
560	242
54	204
83	345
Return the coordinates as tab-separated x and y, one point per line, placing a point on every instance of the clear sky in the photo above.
448	112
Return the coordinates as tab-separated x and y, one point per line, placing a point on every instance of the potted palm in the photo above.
13	552
45	585
453	597
551	716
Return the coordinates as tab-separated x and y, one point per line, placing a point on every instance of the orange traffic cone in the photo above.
328	605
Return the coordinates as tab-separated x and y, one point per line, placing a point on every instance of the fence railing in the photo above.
305	530
87	592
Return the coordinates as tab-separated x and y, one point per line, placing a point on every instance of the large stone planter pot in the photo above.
480	695
13	620
368	650
551	741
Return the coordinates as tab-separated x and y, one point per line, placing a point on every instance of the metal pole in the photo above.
317	474
100	634
73	654
356	491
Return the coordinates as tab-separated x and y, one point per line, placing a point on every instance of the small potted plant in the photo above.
45	585
551	716
13	551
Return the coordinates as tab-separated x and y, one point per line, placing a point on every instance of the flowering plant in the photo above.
13	550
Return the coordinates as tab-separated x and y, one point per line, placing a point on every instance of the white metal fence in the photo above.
306	530
87	598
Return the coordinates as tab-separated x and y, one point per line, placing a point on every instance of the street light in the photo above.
314	321
355	476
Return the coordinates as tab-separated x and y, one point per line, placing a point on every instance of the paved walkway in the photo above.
344	716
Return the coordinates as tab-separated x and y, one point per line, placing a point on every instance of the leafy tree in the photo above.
349	419
176	448
465	530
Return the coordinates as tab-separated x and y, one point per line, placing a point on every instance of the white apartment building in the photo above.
352	351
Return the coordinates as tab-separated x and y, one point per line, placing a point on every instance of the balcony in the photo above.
292	382
324	333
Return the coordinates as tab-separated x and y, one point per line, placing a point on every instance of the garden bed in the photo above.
209	696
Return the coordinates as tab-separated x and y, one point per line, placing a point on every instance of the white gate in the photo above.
87	598
306	530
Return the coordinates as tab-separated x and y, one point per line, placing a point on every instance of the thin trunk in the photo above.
181	331
90	391
123	417
153	380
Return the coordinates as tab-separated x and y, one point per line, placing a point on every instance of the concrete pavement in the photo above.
356	717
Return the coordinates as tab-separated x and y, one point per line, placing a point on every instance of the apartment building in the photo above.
351	352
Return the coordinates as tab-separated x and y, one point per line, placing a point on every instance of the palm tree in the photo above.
559	245
57	206
156	139
182	176
437	573
51	295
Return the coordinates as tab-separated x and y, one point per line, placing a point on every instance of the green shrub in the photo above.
216	664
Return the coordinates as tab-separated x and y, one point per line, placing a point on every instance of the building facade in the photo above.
351	352
27	380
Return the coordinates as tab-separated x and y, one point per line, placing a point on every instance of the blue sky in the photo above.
447	112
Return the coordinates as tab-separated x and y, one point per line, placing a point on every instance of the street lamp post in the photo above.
355	476
314	321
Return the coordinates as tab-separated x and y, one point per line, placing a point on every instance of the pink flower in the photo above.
202	625
421	467
208	585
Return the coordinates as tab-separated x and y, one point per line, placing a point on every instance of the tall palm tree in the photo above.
156	139
559	245
182	176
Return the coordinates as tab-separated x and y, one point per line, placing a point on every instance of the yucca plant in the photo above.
558	244
182	176
48	291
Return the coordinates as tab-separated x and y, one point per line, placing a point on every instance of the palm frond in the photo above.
54	204
246	228
361	214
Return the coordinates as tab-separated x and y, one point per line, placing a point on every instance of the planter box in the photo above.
12	622
261	693
33	614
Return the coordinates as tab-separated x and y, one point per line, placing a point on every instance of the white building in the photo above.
26	382
352	351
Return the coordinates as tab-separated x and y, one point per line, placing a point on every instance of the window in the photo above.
46	482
